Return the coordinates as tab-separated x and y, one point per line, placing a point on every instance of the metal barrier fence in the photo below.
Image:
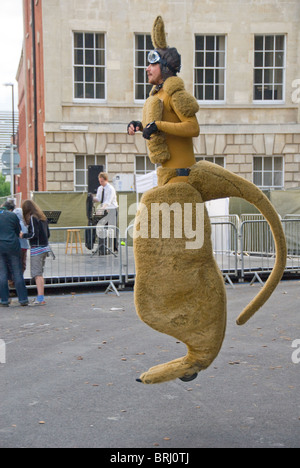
97	255
225	246
82	255
257	236
224	236
129	265
242	248
17	197
258	249
291	229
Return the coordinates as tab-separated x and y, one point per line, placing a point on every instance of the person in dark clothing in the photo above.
38	235
10	255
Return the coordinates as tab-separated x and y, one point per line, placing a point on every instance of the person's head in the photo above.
19	213
167	58
103	178
30	208
9	205
163	63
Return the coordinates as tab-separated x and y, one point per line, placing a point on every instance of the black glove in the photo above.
136	124
149	129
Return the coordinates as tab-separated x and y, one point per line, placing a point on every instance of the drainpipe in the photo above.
36	168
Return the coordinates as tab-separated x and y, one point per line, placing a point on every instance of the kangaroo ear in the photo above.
158	34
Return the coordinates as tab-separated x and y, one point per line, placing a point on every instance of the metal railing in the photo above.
82	255
17	198
258	249
240	250
291	229
225	247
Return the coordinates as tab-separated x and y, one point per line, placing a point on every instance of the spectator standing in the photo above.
38	235
10	255
24	243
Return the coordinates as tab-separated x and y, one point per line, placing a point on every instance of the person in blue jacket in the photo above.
10	255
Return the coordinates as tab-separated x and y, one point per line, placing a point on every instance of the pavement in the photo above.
68	380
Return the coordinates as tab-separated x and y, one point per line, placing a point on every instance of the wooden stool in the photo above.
73	235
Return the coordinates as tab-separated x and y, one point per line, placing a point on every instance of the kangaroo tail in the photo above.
271	216
214	182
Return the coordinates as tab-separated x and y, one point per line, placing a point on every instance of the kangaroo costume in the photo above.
179	289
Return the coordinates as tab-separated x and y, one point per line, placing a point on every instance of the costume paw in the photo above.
177	369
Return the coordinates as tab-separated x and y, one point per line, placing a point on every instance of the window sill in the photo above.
251	105
101	104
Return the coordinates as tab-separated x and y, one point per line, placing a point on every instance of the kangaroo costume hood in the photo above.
168	57
179	289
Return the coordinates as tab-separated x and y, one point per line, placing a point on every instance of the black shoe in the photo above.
188	379
3	305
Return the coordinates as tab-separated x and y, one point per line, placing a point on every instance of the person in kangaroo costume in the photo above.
179	289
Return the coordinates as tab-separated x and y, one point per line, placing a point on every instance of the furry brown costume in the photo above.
178	290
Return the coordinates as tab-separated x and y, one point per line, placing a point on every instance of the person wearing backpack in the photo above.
38	235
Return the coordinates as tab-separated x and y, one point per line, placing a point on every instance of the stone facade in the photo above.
119	148
237	149
237	129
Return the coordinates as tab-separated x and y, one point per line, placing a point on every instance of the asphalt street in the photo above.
69	375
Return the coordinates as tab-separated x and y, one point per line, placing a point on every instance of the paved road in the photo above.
69	377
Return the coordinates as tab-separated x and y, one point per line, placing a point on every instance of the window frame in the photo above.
136	66
84	187
83	66
211	159
273	172
214	68
263	68
146	161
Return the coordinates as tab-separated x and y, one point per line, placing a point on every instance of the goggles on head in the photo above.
154	57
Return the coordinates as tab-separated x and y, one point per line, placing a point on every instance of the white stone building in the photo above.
240	58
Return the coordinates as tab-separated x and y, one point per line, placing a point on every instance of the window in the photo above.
143	45
82	162
210	72
269	68
143	165
268	172
89	66
219	160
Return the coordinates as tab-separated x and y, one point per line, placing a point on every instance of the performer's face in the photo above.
154	74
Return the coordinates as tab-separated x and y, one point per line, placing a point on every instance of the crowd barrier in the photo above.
243	249
80	255
258	249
